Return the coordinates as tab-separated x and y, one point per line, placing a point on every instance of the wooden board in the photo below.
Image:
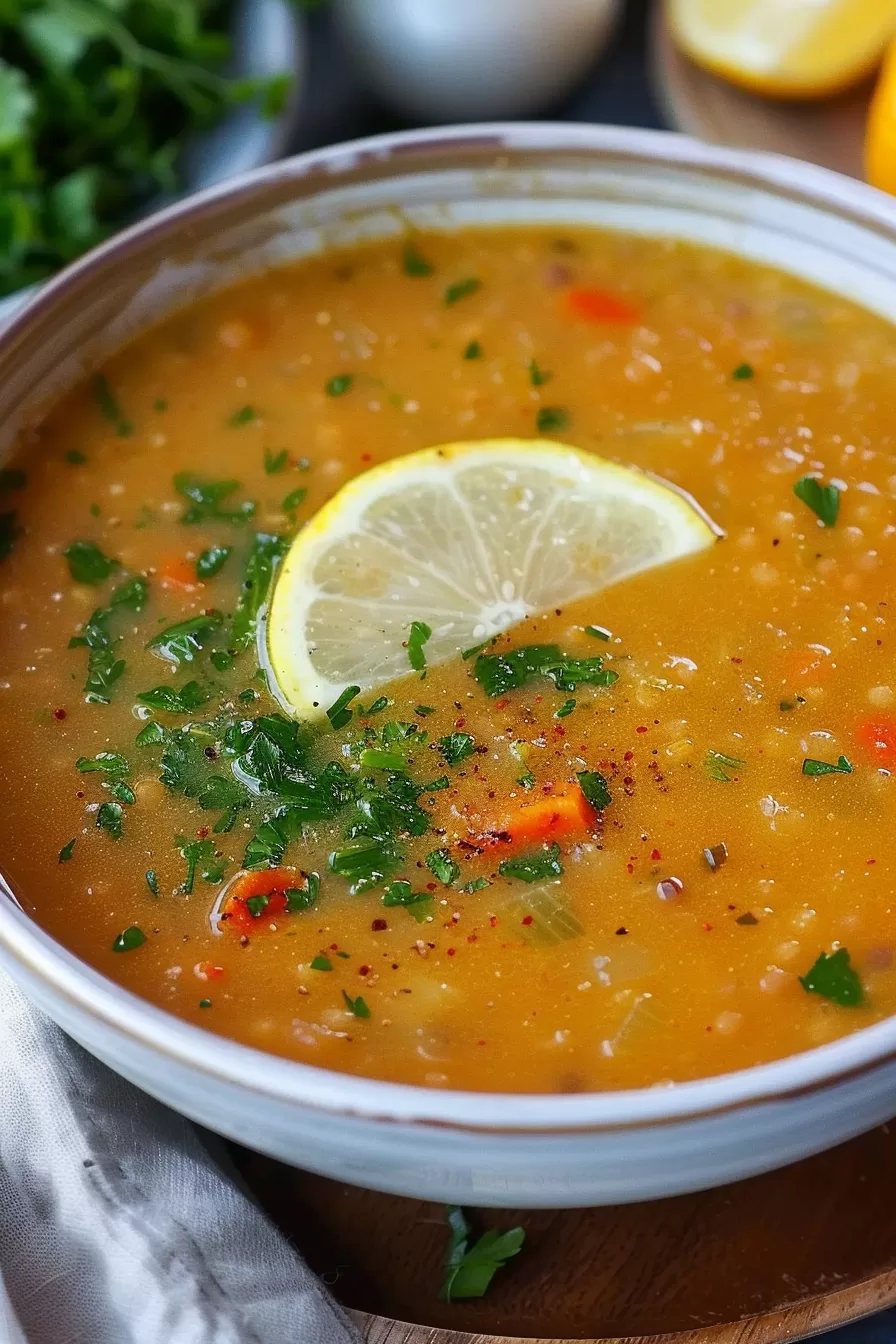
774	1258
829	132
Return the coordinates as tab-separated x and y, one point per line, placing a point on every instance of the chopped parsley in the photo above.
372	758
176	700
339	384
246	415
201	856
595	789
552	419
380	703
424	710
717	765
742	372
598	632
461	289
339	713
267	549
417	903
419	634
205	1003
469	1269
456	747
87	564
472	351
538	377
321	963
535	867
129	939
477	884
498	673
275	462
413	261
294	500
109	407
357	1007
823	500
207	500
840	767
105	762
526	780
212	561
834	978
565	709
152	881
441	865
109	819
67	851
181	642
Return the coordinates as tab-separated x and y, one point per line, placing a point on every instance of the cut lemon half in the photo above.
468	538
785	48
880	129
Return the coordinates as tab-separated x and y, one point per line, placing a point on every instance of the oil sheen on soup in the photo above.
676	868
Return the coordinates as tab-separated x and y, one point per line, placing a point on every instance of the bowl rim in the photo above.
28	948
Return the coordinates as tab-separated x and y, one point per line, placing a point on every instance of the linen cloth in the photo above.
116	1224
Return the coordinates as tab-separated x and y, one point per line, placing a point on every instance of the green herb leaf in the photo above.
842	767
365	863
834	978
110	408
551	419
207	498
413	261
87	564
498	673
212	561
565	710
294	500
106	763
420	633
538	377
303	898
201	856
417	903
717	764
67	851
109	819
441	865
742	371
823	500
357	1007
469	1270
374	759
461	289
598	632
267	548
152	881
246	415
595	788
456	747
535	867
472	351
339	384
321	963
182	642
129	940
526	780
339	714
275	462
176	700
477	884
380	703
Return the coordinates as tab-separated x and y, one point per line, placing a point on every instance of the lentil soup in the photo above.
658	852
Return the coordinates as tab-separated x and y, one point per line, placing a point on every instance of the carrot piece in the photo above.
239	917
878	737
596	305
176	572
548	818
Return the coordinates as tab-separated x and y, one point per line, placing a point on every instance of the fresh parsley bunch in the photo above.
97	100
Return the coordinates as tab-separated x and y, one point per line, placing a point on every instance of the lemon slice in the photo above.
880	129
786	48
469	538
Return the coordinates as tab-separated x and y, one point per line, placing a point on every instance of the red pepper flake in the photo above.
527	920
871	860
378	925
630	867
481	1042
202	833
621	932
737	660
707	928
451	951
629	756
334	947
471	937
366	457
59	714
502	704
431	886
655	854
459	723
642	728
493	921
363	970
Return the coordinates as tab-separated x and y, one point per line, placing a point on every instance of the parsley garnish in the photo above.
176	700
206	500
152	881
256	905
364	862
538	377
456	747
246	415
834	978
275	462
357	1007
129	940
469	1270
598	632
339	714
372	758
87	564
212	561
472	351
417	903
742	371
717	764
526	780
551	418
103	668
565	709
181	642
267	548
67	851
321	963
419	634
595	789
339	384
413	261
477	884
424	710
106	763
842	767
461	289
534	867
498	673
205	1003
823	500
380	703
303	898
109	819
110	408
441	865
294	499
201	856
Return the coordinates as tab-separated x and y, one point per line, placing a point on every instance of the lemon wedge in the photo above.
880	129
468	538
785	48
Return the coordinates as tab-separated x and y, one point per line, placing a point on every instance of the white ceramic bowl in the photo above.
458	1146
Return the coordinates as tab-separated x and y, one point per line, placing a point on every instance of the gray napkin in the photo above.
117	1226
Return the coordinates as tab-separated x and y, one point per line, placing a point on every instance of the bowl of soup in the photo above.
448	699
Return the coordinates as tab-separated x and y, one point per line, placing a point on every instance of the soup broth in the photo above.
720	895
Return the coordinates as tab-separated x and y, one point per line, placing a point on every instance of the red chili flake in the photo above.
630	867
80	793
481	1042
655	854
471	937
431	886
202	832
459	723
629	756
628	780
366	457
642	728
451	951
737	660
707	928
871	860
559	730
493	921
378	925
363	970
527	920
59	714
334	947
502	704
620	932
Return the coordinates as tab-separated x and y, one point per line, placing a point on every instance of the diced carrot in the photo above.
549	818
878	737
176	572
806	667
596	305
237	916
